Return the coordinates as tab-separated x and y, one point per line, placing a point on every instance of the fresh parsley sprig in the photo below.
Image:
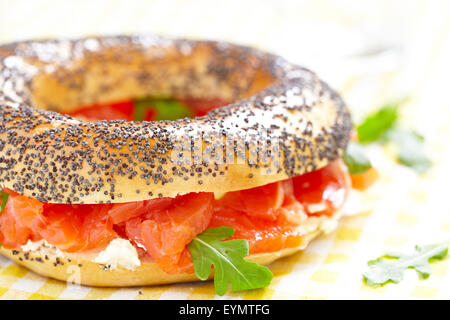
391	267
208	249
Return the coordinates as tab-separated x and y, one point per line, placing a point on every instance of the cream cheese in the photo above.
119	252
41	246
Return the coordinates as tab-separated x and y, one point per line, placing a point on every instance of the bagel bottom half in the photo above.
78	269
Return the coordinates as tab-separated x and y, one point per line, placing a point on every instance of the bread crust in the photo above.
79	270
286	121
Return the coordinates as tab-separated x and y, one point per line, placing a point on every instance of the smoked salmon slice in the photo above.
267	216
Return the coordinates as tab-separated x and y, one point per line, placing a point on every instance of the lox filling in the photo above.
269	217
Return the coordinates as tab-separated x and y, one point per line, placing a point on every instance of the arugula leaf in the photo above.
381	126
4	199
208	249
377	123
355	159
166	109
410	149
390	268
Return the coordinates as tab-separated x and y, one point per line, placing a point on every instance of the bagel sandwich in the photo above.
124	159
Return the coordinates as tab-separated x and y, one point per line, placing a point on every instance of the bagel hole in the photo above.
149	109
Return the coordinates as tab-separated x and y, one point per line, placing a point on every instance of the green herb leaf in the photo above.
373	127
390	268
208	249
3	200
355	159
166	109
410	149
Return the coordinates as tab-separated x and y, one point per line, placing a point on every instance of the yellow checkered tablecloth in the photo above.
372	52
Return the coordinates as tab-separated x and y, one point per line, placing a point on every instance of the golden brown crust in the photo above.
84	271
287	121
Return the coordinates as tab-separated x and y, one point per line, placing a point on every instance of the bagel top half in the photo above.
285	121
